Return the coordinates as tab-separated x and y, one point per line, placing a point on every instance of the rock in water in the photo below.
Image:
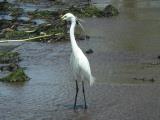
89	51
110	10
16	76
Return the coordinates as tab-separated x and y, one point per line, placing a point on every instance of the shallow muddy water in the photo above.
124	63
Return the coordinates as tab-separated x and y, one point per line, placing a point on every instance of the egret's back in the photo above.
79	62
80	66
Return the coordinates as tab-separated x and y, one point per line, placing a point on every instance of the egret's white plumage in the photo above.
79	62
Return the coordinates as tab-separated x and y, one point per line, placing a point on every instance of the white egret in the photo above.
79	62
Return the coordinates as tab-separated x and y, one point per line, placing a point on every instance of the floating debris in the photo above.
9	62
20	21
144	79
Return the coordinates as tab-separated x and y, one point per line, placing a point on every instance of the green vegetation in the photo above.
9	67
29	1
3	25
29	30
8	7
16	76
44	32
86	11
4	6
9	57
16	35
15	12
42	14
10	61
38	1
91	10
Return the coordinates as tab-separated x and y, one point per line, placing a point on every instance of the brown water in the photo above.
125	47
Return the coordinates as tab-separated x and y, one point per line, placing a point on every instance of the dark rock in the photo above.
152	80
89	51
87	37
145	79
110	10
10	67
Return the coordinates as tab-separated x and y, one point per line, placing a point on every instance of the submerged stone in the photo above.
89	51
32	24
110	10
42	14
16	76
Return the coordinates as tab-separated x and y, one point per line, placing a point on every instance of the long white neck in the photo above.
72	37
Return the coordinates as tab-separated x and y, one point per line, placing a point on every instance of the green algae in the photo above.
93	11
16	35
9	57
16	76
8	7
42	14
57	29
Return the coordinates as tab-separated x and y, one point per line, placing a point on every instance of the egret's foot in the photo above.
79	107
85	107
75	107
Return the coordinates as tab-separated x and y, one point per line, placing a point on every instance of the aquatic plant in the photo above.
10	8
91	10
5	24
16	35
42	14
16	76
9	57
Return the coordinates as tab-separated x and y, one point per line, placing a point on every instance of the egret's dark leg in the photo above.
84	95
89	2
75	102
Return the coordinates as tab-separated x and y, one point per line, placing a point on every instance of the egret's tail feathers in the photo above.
92	80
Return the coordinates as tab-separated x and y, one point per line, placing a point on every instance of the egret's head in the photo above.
68	17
